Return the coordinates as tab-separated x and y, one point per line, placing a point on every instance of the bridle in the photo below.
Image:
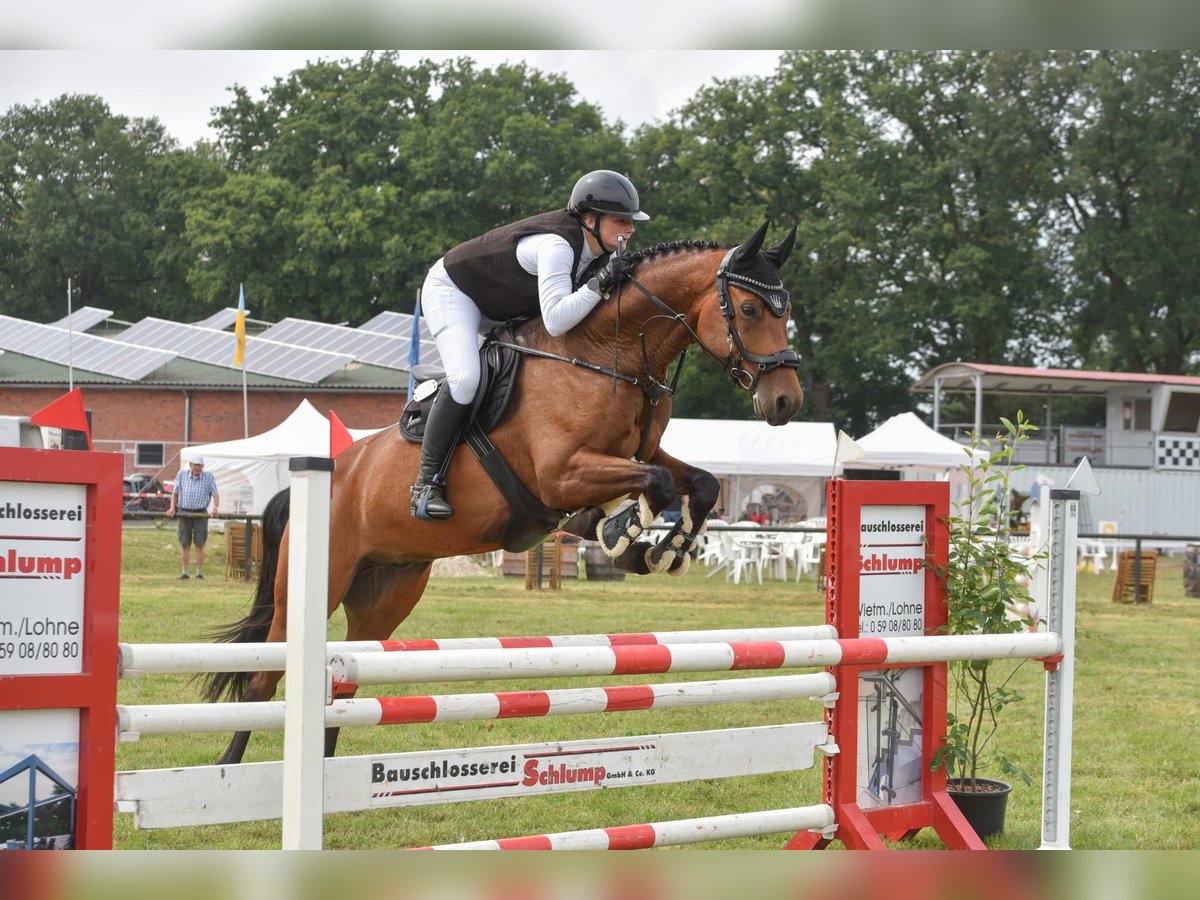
774	296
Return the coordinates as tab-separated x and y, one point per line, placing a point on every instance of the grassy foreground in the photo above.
1136	781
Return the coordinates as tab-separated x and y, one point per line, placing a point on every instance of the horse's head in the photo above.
751	320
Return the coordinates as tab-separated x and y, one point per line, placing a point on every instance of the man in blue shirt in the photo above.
193	489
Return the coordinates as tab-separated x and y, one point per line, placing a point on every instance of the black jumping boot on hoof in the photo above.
446	421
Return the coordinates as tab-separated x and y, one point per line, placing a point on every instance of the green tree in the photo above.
78	200
1129	202
921	184
353	177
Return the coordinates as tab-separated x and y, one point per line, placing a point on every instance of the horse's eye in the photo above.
749	310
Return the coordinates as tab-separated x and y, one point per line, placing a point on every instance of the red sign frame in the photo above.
94	690
859	828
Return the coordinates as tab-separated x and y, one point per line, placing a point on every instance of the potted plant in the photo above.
987	592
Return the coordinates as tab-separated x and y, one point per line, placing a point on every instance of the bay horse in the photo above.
581	442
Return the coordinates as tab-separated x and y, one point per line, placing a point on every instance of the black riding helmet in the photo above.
606	192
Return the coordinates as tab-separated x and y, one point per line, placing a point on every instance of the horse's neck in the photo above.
620	319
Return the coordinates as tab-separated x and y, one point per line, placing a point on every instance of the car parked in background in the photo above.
144	493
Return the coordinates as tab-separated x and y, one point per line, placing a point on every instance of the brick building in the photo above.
154	387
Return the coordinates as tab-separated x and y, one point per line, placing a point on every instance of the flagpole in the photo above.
70	342
245	399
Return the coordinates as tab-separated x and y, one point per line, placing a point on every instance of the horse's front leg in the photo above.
593	480
699	491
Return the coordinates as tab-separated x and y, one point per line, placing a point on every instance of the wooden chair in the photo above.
1135	577
235	550
549	554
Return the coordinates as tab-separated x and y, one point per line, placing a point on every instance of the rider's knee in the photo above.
463	386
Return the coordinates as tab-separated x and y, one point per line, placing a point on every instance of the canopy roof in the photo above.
732	447
249	471
959	377
904	441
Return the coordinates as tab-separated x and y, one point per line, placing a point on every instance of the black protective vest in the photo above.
486	268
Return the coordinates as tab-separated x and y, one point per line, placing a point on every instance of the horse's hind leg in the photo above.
260	687
380	598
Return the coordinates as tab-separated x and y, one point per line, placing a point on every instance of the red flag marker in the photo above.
65	412
339	436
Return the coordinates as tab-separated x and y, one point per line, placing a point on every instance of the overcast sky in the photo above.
180	87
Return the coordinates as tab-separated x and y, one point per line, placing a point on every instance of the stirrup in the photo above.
429	499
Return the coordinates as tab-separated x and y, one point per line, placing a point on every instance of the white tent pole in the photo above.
937	404
978	379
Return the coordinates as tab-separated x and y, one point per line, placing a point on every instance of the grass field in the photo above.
1136	778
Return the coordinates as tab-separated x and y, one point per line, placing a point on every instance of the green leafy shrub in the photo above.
987	592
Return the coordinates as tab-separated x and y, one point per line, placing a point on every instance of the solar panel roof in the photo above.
263	357
397	323
388	350
220	320
83	319
83	351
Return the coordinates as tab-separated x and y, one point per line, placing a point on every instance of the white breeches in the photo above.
456	323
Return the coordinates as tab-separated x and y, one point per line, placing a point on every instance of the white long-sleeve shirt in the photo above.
549	257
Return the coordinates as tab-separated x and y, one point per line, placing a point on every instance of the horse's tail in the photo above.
253	628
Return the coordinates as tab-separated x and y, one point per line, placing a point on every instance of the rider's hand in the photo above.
613	272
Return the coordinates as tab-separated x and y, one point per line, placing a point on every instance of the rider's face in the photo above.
612	227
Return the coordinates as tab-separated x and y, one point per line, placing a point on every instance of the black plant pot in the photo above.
983	809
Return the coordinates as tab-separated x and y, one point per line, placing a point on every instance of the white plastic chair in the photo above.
1095	551
791	545
810	553
744	556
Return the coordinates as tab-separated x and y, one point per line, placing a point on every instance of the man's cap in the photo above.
196	460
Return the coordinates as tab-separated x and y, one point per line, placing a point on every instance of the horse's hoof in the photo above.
663	563
615	533
680	566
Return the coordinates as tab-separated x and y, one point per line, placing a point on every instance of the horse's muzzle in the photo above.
777	404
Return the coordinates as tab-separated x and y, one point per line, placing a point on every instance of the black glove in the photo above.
612	273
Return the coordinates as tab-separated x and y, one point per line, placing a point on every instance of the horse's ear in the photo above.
778	254
748	250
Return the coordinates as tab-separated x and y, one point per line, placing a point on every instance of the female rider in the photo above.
556	264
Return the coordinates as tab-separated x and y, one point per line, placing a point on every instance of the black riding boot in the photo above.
446	421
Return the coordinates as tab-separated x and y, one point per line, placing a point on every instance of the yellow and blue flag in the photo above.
239	356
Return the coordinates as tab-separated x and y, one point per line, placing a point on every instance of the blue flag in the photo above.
414	347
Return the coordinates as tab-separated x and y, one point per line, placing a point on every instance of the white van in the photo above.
18	431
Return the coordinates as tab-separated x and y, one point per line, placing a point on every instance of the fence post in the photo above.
306	677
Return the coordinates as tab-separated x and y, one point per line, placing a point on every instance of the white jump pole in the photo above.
543	662
307	677
161	659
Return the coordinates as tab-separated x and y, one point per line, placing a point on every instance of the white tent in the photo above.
796	458
905	442
250	471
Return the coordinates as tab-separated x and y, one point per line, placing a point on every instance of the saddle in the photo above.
531	520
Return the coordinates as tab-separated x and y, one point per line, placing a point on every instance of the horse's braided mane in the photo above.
673	246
